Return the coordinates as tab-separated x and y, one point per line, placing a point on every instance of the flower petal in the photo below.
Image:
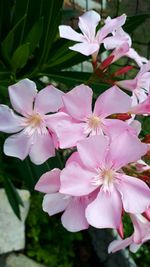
55	203
92	151
125	149
110	26
22	95
48	100
49	182
105	210
9	121
135	194
68	33
73	219
78	102
68	132
112	101
42	148
18	145
88	23
76	181
114	128
85	48
116	245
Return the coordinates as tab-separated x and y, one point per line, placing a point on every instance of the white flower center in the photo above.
34	123
104	177
93	125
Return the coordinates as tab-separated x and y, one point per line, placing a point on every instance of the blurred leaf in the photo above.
75	78
7	43
35	34
51	10
5	17
20	56
13	196
135	21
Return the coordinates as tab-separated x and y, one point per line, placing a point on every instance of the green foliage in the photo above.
47	241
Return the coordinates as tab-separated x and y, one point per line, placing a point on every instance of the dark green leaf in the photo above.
135	21
20	56
13	196
75	78
7	44
35	34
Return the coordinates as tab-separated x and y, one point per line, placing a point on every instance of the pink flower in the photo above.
79	121
140	85
97	166
119	39
89	41
142	108
141	234
32	136
73	218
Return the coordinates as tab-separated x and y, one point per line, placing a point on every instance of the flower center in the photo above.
94	122
34	123
104	177
34	120
107	176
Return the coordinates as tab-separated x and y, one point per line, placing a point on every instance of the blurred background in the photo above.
31	48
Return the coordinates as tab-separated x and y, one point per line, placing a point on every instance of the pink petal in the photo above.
135	56
142	108
135	194
73	219
114	128
125	149
48	100
105	210
137	126
112	101
112	42
120	51
128	84
9	121
88	23
85	48
22	95
110	26
92	151
68	132
68	33
116	245
144	68
74	157
42	148
76	181
55	203
17	145
49	182
78	102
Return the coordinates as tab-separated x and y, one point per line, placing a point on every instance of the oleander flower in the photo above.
89	41
141	235
79	121
98	166
140	85
32	136
118	39
73	208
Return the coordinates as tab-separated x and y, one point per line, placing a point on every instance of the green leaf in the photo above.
75	78
13	196
135	21
35	34
20	56
7	44
51	10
